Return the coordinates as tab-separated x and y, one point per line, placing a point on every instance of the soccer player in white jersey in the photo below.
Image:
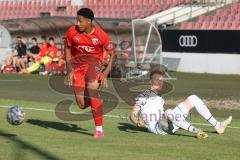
150	105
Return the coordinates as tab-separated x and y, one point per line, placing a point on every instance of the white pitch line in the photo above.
50	110
204	124
106	115
11	80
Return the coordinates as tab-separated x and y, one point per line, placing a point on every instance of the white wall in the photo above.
5	41
207	63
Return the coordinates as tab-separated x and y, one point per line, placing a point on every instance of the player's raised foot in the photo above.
202	135
223	125
98	134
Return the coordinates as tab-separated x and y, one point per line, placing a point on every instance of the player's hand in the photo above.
70	77
140	123
103	79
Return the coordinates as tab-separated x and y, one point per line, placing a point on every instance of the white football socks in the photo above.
180	122
203	110
99	128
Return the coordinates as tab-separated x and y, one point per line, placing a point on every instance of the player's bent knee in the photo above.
194	99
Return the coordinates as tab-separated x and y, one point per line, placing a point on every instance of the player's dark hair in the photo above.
19	37
86	12
156	72
44	37
51	39
34	39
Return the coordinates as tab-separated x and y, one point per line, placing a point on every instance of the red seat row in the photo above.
102	8
226	18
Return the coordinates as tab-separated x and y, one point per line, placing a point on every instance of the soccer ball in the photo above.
15	115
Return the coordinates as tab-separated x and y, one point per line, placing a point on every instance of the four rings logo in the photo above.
188	41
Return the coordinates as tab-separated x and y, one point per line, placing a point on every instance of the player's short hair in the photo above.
34	39
86	12
44	37
19	37
156	72
51	39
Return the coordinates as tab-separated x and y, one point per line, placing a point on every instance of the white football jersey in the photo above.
151	106
152	110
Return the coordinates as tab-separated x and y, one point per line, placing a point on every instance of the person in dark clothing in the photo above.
34	50
21	49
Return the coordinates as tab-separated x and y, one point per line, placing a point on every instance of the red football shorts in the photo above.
85	74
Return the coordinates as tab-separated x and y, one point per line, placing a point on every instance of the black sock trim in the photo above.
189	128
209	118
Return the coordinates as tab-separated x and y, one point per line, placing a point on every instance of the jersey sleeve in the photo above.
140	100
106	39
69	37
107	43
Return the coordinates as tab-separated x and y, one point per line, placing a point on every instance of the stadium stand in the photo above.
227	18
123	9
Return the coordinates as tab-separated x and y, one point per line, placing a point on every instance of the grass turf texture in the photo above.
44	136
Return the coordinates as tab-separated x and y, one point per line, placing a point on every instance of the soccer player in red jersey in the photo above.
45	57
85	47
43	48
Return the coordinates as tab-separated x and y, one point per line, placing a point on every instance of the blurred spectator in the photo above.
44	57
21	49
51	54
12	58
10	61
34	50
43	47
17	56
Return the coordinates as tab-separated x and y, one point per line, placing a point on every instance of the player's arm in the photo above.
109	66
23	41
53	52
70	70
134	116
50	54
110	63
68	56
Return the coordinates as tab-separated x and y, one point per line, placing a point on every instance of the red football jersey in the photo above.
43	50
86	47
53	49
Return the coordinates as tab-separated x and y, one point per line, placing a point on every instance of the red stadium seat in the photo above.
224	18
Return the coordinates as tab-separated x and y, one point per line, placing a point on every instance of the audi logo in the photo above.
188	41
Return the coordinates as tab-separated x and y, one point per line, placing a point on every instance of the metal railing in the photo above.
203	3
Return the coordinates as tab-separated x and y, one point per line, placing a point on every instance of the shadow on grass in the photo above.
184	135
213	132
21	147
130	128
66	127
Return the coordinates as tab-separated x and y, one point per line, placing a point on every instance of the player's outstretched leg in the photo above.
177	117
32	68
206	114
97	108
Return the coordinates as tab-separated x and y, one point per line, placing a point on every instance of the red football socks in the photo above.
97	110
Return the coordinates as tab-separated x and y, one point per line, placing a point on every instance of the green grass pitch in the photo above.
45	137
